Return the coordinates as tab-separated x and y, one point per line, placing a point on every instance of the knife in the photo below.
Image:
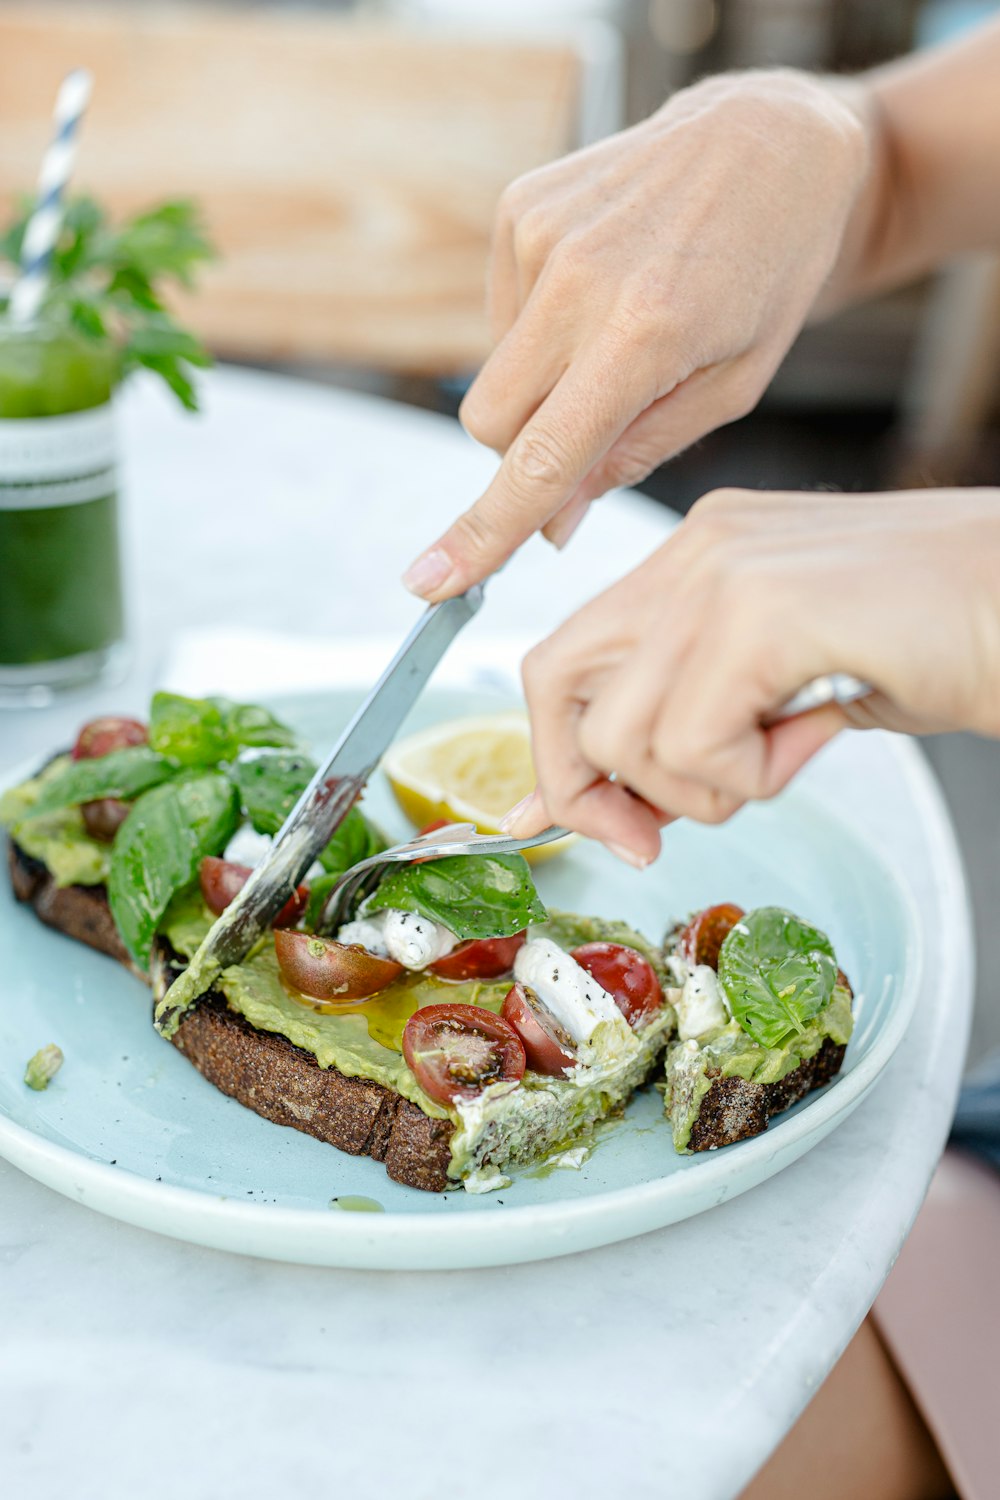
323	805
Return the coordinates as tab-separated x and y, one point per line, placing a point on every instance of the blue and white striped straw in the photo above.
43	228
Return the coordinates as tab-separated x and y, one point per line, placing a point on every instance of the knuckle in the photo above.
743	391
477	415
475	533
600	743
535	668
717	806
531	235
724	502
513	201
538	460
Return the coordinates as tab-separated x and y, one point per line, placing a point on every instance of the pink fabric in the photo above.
939	1315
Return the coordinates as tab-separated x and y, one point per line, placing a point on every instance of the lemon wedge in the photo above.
468	771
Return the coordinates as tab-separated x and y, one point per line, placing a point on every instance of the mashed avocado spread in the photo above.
59	839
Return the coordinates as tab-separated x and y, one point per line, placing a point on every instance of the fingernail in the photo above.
429	571
637	861
563	525
510	819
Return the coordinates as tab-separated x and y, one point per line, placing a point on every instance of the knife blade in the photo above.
323	805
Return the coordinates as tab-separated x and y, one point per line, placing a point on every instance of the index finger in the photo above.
569	433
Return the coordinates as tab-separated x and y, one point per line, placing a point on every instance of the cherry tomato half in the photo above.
546	1044
328	970
455	1051
103	818
221	879
706	932
101	736
479	958
629	978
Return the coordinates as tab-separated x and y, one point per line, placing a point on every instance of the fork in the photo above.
461	838
455	838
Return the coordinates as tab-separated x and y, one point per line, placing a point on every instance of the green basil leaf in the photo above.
356	838
159	847
778	973
205	731
270	782
474	896
121	773
319	889
190	731
250	725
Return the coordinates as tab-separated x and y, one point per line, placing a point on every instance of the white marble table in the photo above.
667	1366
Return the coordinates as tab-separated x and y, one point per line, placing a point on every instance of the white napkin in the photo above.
246	663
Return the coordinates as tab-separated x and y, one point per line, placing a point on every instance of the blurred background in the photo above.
348	155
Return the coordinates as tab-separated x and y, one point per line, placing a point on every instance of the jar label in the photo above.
64	460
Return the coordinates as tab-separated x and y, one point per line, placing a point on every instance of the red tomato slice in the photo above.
433	826
629	978
706	932
479	958
103	818
101	736
332	971
221	879
540	1032
455	1051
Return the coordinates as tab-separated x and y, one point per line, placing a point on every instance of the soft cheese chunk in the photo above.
573	996
410	939
367	932
700	1005
248	847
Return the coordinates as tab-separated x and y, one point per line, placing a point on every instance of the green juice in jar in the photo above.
61	613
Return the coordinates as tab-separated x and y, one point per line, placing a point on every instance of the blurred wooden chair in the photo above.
348	172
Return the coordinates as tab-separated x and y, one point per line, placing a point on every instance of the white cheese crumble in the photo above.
701	1005
248	847
573	996
404	936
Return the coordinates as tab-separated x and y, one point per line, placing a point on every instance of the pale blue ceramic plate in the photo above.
129	1128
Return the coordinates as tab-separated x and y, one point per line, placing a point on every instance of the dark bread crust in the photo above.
734	1109
263	1071
79	911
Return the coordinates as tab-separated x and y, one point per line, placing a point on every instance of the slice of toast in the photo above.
261	1070
734	1109
710	1105
269	1074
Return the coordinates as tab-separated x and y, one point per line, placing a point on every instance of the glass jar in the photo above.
61	611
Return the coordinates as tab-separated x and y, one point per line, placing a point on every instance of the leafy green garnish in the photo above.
159	847
356	839
190	731
121	773
270	782
249	726
475	896
777	972
108	282
205	731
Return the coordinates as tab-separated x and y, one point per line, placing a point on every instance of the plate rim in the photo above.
358	1241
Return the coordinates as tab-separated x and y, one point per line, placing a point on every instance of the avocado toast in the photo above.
323	1064
452	1029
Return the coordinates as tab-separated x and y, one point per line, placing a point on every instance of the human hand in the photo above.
666	679
643	292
